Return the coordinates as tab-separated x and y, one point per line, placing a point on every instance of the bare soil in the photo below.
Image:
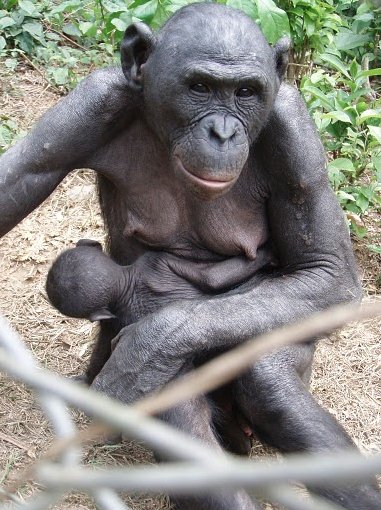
346	378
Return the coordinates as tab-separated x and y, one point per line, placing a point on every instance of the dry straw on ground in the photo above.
346	377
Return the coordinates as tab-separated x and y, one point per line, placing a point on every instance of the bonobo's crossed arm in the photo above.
315	256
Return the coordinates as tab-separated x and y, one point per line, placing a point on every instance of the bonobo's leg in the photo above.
102	349
277	403
194	418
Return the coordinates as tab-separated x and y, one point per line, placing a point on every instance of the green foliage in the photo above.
65	40
346	107
348	116
9	132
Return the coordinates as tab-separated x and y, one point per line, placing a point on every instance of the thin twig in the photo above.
336	469
227	366
32	64
74	43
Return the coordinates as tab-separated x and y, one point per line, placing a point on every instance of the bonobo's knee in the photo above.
84	282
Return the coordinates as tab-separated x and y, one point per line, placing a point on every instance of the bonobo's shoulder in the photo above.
107	83
289	101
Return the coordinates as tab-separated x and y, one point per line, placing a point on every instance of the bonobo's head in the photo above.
84	282
209	81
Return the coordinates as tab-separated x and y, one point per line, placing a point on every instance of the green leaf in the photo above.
273	21
34	29
363	202
376	132
3	43
120	24
338	115
7	21
342	164
68	6
370	72
369	114
71	29
377	163
88	28
336	177
348	40
10	63
247	6
354	69
28	7
358	230
319	94
343	195
60	74
335	62
374	248
144	11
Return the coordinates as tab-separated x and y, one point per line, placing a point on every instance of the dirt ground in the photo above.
346	377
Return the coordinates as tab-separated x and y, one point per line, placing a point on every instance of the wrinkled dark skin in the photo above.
84	282
202	152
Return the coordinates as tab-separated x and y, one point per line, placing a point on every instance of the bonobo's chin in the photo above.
206	187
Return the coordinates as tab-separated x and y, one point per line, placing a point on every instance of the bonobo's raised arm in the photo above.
64	138
317	267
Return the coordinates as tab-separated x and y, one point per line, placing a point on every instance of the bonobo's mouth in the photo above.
210	183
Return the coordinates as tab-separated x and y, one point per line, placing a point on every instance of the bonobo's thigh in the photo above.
194	418
274	398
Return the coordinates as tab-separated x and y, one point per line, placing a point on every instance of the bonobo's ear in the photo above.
137	44
101	314
281	50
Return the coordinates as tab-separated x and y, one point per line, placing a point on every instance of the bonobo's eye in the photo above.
200	88
245	92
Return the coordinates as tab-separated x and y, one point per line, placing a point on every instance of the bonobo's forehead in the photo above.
212	32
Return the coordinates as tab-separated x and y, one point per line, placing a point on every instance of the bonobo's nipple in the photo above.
133	227
250	252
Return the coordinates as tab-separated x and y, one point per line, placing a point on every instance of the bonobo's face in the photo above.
209	84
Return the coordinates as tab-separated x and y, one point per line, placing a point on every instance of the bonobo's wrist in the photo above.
172	326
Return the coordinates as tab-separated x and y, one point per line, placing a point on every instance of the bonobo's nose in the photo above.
223	128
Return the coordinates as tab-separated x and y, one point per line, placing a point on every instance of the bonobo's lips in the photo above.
212	184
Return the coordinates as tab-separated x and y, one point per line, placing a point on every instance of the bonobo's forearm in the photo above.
233	318
150	353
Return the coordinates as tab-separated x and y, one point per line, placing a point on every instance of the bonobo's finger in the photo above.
82	378
114	342
89	242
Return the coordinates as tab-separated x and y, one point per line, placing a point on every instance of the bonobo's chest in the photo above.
146	206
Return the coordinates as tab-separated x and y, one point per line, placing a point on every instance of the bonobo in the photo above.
202	152
84	282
